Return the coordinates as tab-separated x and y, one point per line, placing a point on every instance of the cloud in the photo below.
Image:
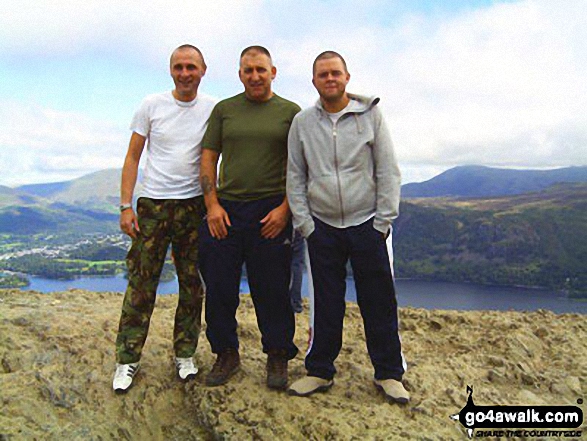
133	29
43	145
501	85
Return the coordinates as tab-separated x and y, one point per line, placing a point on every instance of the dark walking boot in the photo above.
277	370
227	364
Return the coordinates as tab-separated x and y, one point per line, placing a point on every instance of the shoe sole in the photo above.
399	400
277	386
228	377
189	377
323	388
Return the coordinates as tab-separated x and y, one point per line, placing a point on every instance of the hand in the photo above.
129	224
275	221
218	221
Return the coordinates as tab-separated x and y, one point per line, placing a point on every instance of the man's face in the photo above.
187	69
330	78
256	74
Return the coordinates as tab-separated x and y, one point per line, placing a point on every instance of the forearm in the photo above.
130	169
296	183
208	177
388	179
129	180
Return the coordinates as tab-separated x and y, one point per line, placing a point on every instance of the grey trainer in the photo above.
308	385
393	390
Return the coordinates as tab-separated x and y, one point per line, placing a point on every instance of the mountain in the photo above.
55	218
533	239
45	190
98	191
480	181
14	197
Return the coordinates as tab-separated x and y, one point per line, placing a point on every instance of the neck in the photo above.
335	106
260	99
186	98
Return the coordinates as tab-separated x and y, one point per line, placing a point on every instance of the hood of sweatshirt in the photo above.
364	103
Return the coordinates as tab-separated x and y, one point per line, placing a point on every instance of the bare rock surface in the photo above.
57	361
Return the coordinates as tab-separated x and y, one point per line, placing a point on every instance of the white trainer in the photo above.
186	369
123	376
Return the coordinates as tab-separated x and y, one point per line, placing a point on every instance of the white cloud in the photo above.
503	85
43	145
134	30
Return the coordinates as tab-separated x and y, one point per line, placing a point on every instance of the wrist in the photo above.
124	207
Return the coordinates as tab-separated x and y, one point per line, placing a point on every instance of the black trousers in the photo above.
329	250
268	265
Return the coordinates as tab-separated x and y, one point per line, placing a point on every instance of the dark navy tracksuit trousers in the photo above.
329	249
268	264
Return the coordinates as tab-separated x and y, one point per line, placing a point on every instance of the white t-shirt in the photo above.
174	132
349	107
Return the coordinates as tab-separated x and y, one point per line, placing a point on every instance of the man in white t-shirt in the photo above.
169	211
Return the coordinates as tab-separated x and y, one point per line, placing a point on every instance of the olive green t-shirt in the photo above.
252	138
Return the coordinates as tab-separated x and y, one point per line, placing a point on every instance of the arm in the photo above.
387	176
128	220
217	217
297	181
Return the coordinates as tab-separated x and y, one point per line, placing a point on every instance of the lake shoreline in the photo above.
410	292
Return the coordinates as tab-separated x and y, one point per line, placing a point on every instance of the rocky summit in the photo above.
57	361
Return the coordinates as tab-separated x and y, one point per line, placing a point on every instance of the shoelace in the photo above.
181	364
128	371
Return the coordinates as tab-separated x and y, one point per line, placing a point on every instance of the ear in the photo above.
273	72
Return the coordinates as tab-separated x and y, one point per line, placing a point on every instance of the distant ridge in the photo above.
14	197
45	190
481	181
98	191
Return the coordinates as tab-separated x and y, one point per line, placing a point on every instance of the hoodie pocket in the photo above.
359	193
323	196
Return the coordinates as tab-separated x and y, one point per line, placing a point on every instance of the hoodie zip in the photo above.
337	171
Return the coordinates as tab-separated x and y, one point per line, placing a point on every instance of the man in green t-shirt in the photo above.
248	220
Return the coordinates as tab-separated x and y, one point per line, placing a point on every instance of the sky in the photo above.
495	83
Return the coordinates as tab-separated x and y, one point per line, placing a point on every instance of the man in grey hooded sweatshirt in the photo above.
343	186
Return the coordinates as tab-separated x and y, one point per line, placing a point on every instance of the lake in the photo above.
420	294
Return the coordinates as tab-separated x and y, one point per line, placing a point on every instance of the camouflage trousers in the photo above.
162	222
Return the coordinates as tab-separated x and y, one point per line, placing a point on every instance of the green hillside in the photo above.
55	218
535	239
99	191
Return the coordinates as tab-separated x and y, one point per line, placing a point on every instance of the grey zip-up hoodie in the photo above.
343	173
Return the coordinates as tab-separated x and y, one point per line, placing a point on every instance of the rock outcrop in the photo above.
57	361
